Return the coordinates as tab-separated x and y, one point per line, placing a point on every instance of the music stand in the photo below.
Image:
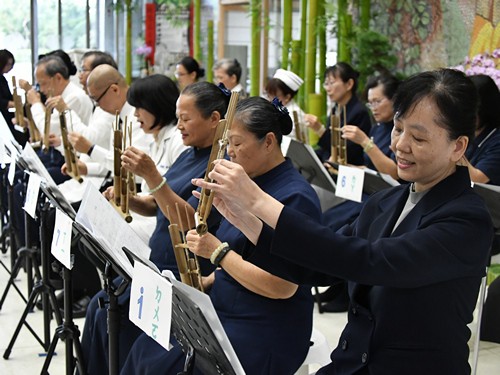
305	160
66	330
96	244
30	162
491	196
197	328
43	287
308	164
375	181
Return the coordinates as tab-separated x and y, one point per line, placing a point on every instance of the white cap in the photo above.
290	79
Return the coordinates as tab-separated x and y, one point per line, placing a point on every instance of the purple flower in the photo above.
144	50
485	63
477	60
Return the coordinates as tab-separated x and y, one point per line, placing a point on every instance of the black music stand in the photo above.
193	327
308	164
43	288
4	215
66	330
491	196
8	236
94	237
374	181
113	292
29	161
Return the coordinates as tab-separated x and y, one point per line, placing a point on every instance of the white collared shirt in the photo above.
77	101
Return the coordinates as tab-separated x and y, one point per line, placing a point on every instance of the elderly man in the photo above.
108	90
52	76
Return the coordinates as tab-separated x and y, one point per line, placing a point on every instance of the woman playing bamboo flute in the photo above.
256	308
415	256
199	110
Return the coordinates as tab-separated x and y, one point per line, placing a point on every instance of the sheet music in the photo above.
9	142
102	221
34	164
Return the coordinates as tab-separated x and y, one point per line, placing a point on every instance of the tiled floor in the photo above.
27	354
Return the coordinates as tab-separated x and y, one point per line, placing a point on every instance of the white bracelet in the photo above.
217	251
163	182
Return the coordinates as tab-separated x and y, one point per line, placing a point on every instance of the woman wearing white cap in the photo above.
284	85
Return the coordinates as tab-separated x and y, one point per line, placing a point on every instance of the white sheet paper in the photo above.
102	221
12	169
32	192
61	240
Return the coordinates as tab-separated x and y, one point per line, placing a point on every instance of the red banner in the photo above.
150	31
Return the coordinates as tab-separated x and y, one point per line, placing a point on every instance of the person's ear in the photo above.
214	119
350	84
461	144
270	141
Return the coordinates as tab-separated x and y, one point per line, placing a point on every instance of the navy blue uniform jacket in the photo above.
413	291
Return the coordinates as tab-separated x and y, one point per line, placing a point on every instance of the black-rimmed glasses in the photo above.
96	101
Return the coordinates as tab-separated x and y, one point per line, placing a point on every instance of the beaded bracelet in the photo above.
369	145
221	255
216	253
163	182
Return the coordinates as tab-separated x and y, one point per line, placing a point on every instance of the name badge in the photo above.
151	304
350	183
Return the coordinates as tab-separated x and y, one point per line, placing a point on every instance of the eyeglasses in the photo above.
375	103
179	74
96	101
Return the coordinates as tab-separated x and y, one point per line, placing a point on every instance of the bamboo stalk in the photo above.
344	27
364	6
296	55
314	102
302	67
255	6
322	51
210	50
287	32
197	30
128	42
310	76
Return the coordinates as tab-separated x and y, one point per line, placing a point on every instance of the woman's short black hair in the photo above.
5	56
274	85
450	90
489	102
388	82
260	116
191	66
345	72
158	95
208	98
